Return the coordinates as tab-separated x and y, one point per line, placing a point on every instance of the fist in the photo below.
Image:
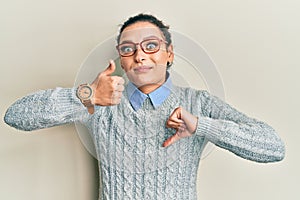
183	122
108	89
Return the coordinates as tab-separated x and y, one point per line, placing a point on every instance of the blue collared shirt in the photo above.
157	97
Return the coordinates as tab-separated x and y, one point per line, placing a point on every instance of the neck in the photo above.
148	88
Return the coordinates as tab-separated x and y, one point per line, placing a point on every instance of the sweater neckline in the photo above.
171	100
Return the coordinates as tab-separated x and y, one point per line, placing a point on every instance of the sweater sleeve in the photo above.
45	108
232	130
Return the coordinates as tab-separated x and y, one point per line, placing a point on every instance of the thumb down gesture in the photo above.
183	122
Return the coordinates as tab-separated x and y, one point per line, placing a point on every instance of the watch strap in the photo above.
88	104
91	109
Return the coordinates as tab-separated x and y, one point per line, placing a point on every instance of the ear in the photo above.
170	54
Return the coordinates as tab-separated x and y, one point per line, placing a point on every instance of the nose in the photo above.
139	55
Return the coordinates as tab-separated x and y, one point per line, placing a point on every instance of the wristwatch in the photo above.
85	93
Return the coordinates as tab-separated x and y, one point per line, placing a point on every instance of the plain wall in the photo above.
255	45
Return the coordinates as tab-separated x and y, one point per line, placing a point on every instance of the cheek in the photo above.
124	63
160	59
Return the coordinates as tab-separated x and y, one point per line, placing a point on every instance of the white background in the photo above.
255	45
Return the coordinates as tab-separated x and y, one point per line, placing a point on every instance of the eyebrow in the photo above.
145	38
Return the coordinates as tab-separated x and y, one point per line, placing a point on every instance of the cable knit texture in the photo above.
133	164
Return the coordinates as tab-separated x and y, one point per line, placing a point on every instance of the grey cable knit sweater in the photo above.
133	164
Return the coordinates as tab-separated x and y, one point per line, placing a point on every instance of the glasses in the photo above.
148	46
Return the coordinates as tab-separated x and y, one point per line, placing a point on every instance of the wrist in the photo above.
190	120
85	93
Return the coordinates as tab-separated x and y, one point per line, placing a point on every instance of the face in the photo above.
142	69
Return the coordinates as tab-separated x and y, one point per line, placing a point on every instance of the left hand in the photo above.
184	122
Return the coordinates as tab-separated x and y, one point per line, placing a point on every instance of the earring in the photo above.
169	64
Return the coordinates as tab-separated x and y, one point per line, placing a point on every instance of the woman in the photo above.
149	134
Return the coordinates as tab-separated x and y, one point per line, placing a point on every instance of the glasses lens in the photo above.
150	46
126	49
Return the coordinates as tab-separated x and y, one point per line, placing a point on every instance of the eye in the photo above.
151	45
126	48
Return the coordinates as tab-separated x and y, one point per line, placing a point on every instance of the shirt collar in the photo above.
157	97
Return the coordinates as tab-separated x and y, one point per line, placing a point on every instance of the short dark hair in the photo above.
147	18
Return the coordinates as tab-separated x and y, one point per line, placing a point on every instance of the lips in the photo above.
142	69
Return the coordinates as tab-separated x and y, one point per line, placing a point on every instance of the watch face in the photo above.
84	92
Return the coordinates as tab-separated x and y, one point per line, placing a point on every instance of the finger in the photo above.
110	69
175	119
181	131
171	121
120	88
116	94
121	81
115	86
183	126
176	115
115	100
172	124
117	80
171	140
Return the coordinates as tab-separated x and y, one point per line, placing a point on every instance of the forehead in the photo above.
140	30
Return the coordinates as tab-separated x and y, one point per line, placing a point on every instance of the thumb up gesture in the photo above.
108	89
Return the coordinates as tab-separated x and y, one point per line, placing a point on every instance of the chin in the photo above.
142	82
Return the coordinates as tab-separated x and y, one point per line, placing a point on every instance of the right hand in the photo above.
108	89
